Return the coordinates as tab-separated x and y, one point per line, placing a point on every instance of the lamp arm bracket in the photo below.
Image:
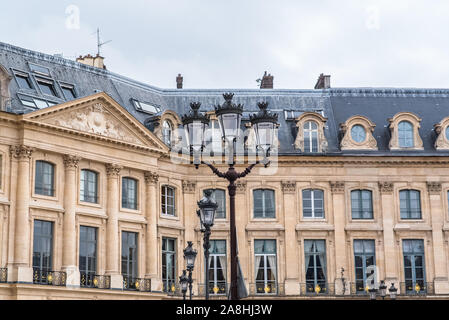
214	170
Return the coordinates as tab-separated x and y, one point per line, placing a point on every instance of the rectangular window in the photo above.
265	263
264	205
315	260
414	266
23	80
361	204
410	204
39	69
69	92
46	86
42	251
220	197
146	107
313	203
89	186
129	259
88	256
365	265
44	179
169	264
217	267
168	200
129	193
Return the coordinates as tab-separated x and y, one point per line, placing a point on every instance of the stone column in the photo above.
112	232
241	221
387	206
291	248
191	220
441	283
338	204
69	259
151	211
22	270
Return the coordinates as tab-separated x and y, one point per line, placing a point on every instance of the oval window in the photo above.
358	133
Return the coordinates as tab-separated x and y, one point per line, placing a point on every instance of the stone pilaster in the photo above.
441	283
387	206
191	220
241	221
112	231
338	204
69	257
291	245
151	212
21	270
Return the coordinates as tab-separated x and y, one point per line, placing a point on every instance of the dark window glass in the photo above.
220	197
414	265
405	134
42	251
129	259
69	92
365	264
167	133
168	264
44	183
217	267
410	204
88	255
46	87
313	203
265	263
264	204
168	200
24	81
310	137
89	186
315	259
361	204
129	193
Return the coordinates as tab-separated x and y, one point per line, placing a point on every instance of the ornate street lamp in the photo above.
207	206
183	280
372	293
392	290
229	117
382	289
189	257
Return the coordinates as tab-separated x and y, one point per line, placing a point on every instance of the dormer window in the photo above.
146	107
69	92
405	134
23	80
46	86
404	128
167	132
358	134
310	137
39	69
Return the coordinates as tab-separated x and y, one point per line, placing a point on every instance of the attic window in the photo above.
69	91
39	69
23	80
46	86
34	102
146	107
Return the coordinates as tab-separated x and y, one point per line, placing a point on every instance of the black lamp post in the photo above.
382	289
207	206
229	117
183	280
189	256
372	293
392	290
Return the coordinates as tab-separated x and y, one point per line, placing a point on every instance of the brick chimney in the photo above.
323	82
97	61
267	81
179	80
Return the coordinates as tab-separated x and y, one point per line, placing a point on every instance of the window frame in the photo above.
165	204
312	200
310	132
413	256
40	272
409	211
360	202
23	74
97	184
168	281
132	261
364	256
69	86
136	193
224	202
264	209
53	182
265	269
43	81
89	273
410	131
315	268
213	280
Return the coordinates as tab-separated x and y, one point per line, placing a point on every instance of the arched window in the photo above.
167	132
44	182
264	206
129	193
313	203
405	134
89	186
168	200
310	136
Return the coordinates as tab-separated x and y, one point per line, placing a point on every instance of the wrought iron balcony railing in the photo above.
266	288
171	288
317	290
136	284
89	280
52	278
221	289
357	288
3	275
418	288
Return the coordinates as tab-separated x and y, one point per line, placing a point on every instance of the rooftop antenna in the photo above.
99	43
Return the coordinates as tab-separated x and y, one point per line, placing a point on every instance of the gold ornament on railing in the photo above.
173	288
417	288
96	282
215	289
50	278
317	289
267	289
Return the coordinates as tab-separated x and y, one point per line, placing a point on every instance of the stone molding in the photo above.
347	143
151	177
434	187
21	152
241	186
113	170
442	142
188	186
337	186
70	161
288	186
386	186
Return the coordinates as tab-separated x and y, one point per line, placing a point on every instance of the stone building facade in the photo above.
91	199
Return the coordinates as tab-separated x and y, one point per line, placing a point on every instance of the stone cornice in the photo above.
21	152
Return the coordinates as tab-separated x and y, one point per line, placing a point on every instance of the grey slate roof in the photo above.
337	104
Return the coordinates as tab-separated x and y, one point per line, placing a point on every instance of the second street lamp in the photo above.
184	281
207	206
189	256
382	289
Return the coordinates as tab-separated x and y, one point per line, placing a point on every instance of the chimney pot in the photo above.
323	82
267	81
179	80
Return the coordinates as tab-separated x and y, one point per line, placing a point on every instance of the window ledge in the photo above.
314	226
363	227
416	227
256	227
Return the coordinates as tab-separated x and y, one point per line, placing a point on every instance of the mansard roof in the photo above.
335	104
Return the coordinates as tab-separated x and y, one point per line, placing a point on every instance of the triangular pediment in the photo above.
97	116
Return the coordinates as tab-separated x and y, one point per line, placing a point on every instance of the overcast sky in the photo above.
229	44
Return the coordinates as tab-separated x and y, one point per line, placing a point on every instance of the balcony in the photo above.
3	275
171	288
419	288
270	288
88	280
321	289
136	284
51	278
220	290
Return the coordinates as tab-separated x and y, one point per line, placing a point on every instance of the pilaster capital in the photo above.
21	152
113	170
434	187
188	186
151	177
240	186
70	161
337	186
288	186
386	186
